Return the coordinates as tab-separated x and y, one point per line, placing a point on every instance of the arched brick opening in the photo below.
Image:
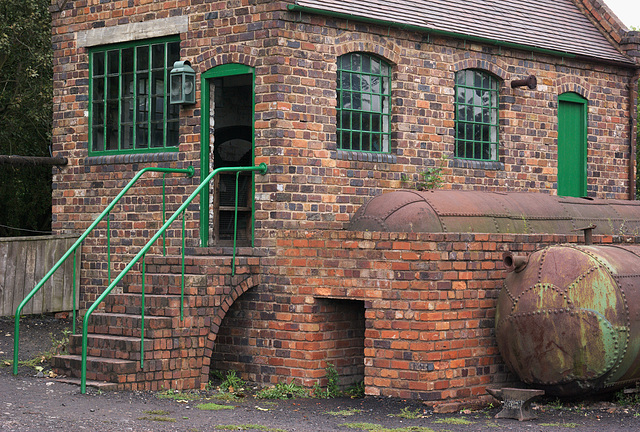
236	287
246	342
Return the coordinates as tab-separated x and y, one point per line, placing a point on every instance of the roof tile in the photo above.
556	25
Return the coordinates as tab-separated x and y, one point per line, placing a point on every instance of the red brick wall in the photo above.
429	302
259	338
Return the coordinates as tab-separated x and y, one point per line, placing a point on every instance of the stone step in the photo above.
215	260
217	252
130	325
166	284
100	385
121	347
98	368
110	346
131	304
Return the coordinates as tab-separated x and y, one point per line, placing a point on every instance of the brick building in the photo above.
343	101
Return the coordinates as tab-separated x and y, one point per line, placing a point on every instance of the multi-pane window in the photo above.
476	115
364	95
130	110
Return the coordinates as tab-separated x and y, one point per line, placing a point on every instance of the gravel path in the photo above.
28	403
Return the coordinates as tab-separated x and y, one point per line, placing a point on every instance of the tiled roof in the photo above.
556	25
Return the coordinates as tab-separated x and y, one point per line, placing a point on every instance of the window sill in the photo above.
477	164
363	156
131	158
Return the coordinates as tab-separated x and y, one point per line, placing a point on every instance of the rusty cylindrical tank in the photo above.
493	212
568	318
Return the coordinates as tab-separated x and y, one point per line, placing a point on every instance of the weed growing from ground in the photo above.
283	391
58	346
232	382
355	390
626	399
333	388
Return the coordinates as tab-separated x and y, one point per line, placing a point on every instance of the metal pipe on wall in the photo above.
32	160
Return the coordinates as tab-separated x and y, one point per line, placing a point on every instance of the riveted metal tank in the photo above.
568	318
493	212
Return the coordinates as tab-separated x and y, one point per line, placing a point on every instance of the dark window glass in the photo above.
130	108
476	115
364	96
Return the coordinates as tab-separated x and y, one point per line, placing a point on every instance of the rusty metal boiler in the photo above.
568	318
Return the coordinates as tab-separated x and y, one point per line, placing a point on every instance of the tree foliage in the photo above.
25	113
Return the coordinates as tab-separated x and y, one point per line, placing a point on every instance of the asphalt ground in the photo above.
32	403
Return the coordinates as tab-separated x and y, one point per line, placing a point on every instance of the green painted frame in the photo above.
122	46
384	112
569	175
229	69
465	142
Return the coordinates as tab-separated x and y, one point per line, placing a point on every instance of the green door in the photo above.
572	145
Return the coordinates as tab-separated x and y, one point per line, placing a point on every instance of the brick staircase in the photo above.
176	352
113	342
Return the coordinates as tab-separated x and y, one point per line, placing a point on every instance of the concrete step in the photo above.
98	368
100	385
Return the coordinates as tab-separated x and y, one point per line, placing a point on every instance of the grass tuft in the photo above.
211	406
454	421
283	391
345	412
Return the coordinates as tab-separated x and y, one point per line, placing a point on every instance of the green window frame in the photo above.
476	115
129	109
364	103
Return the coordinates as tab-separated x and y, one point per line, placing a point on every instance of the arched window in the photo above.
476	115
364	96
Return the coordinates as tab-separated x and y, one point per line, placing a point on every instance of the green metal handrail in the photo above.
262	168
189	171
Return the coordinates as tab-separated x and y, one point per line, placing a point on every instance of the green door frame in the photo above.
572	145
219	72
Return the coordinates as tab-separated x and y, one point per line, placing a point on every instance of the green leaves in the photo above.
26	98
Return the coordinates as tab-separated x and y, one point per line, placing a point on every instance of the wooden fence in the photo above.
24	261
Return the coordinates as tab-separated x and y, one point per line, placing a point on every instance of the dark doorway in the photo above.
232	147
227	141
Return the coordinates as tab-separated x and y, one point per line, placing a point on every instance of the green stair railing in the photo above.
105	214
262	168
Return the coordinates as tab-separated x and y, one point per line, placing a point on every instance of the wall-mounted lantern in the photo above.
183	83
531	81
